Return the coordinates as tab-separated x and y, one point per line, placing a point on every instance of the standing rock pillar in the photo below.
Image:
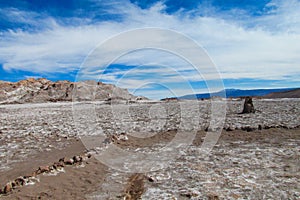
248	106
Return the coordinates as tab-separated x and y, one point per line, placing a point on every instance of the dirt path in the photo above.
135	187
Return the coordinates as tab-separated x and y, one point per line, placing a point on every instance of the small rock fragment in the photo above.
77	159
69	162
189	194
114	138
229	129
151	179
248	129
8	188
123	137
213	197
259	127
43	169
57	165
20	181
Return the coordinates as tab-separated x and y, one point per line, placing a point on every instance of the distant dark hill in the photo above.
235	93
295	93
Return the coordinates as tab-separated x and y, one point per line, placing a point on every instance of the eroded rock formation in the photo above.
43	90
248	106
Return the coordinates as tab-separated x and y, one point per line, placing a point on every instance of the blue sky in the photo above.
253	43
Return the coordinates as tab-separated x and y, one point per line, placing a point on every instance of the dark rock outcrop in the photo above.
248	106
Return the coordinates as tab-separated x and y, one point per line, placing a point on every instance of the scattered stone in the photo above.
259	127
189	194
229	129
248	129
25	180
151	179
20	181
285	127
8	188
13	184
51	168
77	159
267	127
58	165
66	161
43	169
123	137
285	119
69	162
114	138
61	160
213	197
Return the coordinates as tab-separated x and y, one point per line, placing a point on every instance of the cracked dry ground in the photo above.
261	164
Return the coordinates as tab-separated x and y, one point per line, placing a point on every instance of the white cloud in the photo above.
168	92
265	47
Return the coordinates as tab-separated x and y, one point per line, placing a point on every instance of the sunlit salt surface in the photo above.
235	170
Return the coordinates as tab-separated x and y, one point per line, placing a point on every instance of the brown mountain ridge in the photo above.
42	90
295	93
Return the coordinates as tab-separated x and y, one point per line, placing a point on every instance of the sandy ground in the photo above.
86	181
260	164
73	183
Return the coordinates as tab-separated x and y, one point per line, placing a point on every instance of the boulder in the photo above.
8	188
57	165
77	159
20	181
248	106
69	162
43	169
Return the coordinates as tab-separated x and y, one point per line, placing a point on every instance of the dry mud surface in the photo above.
263	163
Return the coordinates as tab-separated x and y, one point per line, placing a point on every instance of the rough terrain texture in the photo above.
43	90
258	157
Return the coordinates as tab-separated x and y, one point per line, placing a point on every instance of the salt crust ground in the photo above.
261	164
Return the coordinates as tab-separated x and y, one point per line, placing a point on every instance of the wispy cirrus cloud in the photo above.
242	45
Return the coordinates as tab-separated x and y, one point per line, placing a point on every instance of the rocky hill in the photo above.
42	90
285	94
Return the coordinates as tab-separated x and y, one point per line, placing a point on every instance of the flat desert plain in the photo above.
53	150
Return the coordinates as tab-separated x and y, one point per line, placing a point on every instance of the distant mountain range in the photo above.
235	93
295	93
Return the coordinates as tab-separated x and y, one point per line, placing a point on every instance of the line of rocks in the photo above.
55	167
259	127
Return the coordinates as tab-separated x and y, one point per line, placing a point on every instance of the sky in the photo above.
250	43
